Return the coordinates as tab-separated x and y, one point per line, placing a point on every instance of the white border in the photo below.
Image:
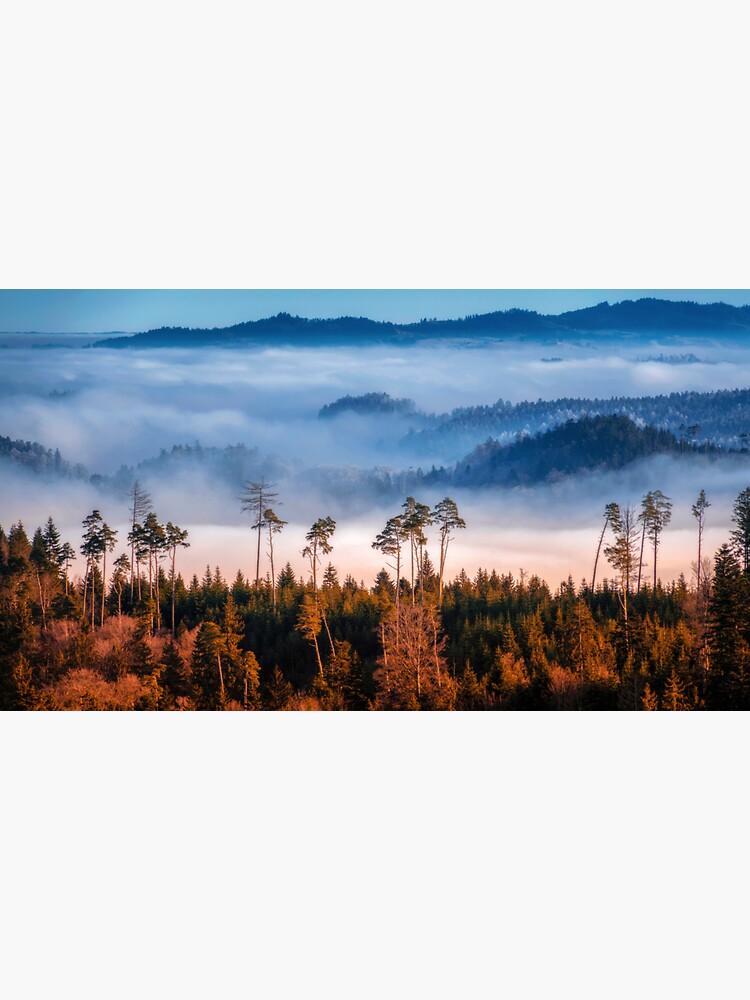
402	145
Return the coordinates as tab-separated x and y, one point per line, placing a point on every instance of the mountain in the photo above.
641	316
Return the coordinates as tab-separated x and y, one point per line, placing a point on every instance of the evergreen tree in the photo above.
389	542
448	520
279	693
319	544
741	534
727	633
174	538
274	524
699	509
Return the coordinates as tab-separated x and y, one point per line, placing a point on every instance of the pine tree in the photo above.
279	693
174	538
727	633
699	509
741	534
389	542
207	667
448	519
275	525
319	544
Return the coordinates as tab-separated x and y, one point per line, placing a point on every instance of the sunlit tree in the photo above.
174	538
448	520
318	545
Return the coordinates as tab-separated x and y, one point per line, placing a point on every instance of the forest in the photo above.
127	631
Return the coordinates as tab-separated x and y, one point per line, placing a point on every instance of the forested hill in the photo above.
646	315
592	444
721	418
370	403
34	456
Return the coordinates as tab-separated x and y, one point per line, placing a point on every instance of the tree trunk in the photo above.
86	584
443	554
221	679
174	555
412	568
317	654
104	582
42	603
328	633
598	550
640	561
257	561
273	578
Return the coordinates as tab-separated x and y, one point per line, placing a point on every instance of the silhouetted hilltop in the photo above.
280	329
645	315
652	315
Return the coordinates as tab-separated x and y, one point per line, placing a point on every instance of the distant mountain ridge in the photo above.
646	315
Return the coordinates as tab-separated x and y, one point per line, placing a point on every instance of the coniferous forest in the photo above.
128	631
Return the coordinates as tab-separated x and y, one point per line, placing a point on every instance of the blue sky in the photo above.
96	311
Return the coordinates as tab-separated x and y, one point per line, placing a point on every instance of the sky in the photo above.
130	311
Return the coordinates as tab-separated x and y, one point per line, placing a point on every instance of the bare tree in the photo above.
412	672
256	498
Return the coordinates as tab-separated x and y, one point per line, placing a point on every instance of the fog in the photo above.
107	408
